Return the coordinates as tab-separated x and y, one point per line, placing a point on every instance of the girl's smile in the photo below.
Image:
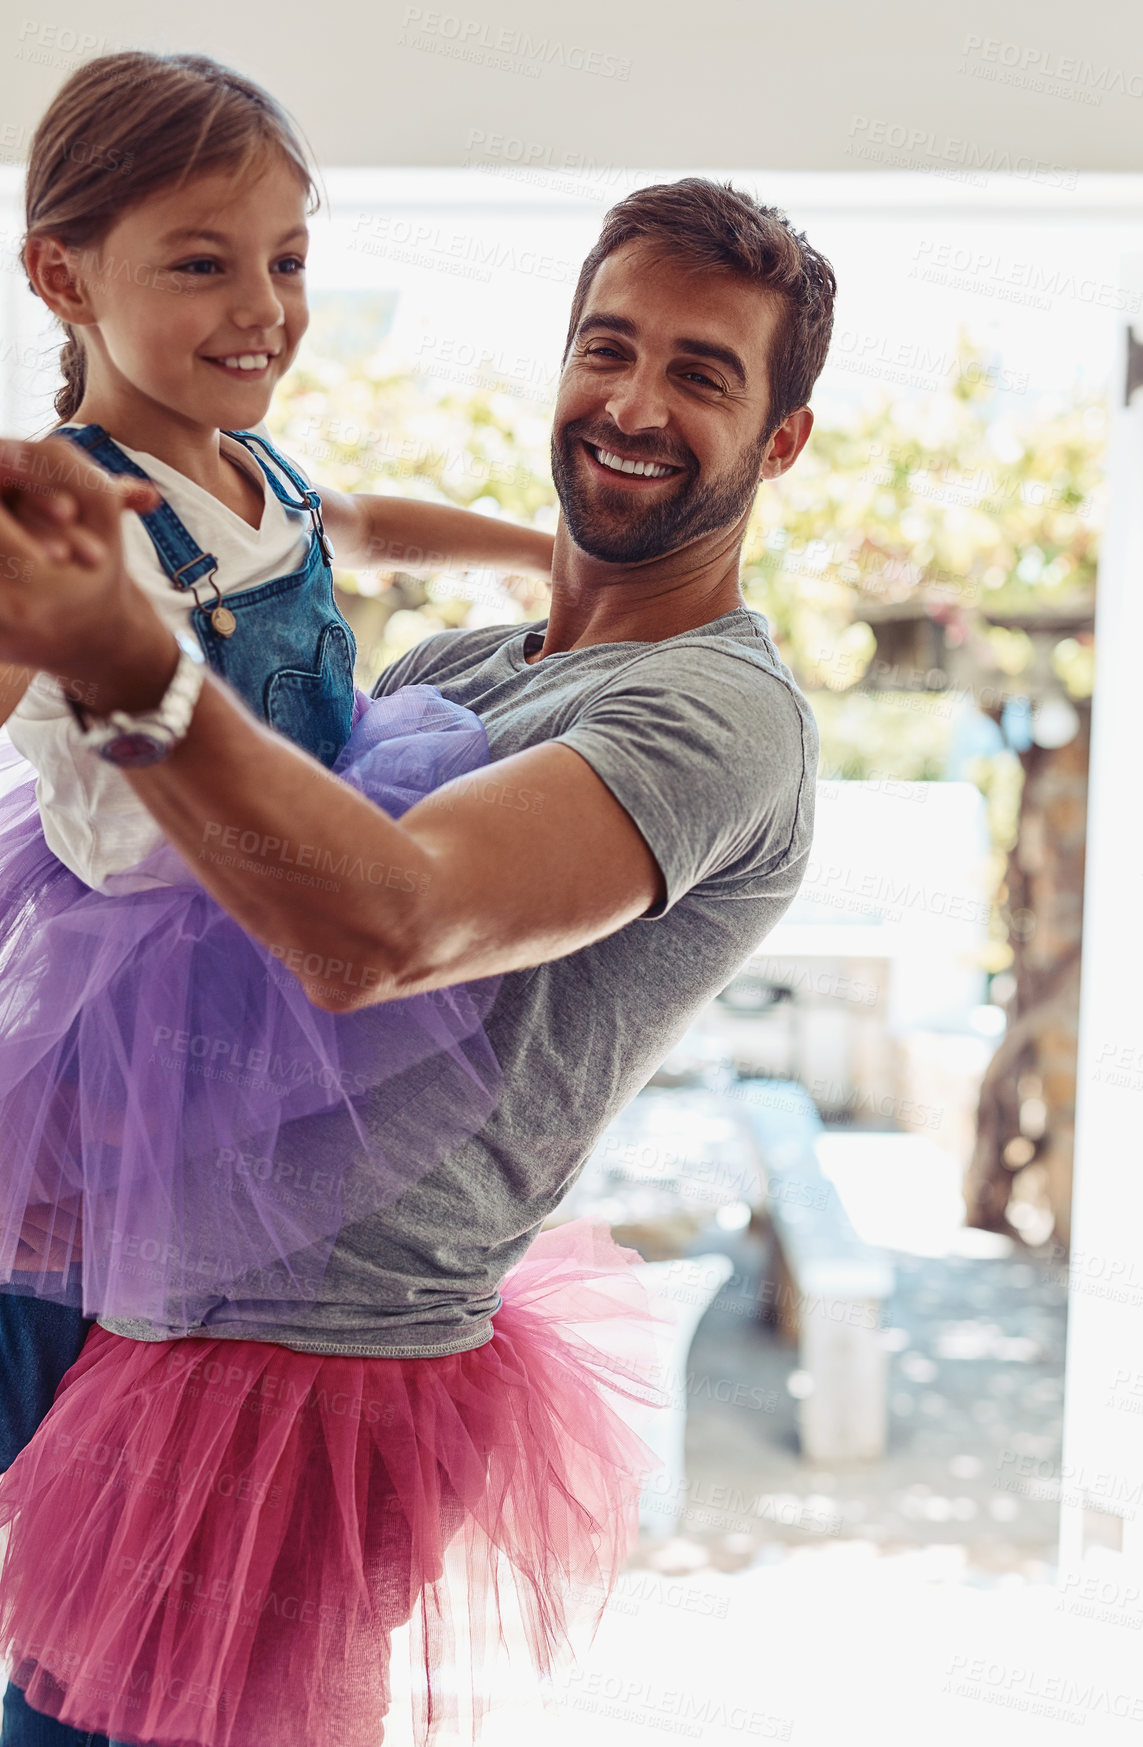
245	365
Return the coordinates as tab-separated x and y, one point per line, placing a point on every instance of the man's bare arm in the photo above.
523	861
14	682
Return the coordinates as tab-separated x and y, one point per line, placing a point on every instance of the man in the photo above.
648	814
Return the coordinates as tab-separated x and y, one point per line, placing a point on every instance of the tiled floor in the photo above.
975	1398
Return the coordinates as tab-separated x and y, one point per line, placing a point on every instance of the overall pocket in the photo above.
314	707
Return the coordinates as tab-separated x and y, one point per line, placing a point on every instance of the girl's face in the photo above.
197	298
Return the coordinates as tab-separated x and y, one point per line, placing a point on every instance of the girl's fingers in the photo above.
18	541
47	520
35	470
86	548
32	468
18	466
139	495
26	546
58	506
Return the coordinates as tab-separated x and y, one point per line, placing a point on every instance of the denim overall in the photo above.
283	646
286	650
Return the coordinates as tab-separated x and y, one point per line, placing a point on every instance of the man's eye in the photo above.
200	267
601	352
701	376
291	264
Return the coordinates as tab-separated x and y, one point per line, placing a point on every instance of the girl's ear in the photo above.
54	271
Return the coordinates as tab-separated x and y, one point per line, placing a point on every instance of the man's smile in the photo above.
628	467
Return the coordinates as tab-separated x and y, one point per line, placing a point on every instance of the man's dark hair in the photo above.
714	225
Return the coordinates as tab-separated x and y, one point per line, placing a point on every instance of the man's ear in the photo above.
53	269
787	443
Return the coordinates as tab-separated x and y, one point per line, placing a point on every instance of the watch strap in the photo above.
167	724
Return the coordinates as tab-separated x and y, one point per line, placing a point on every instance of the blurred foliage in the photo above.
903	736
954	500
951	499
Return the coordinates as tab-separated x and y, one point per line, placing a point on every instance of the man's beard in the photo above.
625	531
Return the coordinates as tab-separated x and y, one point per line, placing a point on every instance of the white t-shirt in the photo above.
91	816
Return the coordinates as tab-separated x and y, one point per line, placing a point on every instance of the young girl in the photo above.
173	248
213	1538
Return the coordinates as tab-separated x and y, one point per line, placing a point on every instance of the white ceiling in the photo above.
892	84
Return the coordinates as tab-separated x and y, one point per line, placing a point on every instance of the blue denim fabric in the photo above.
24	1727
290	655
38	1343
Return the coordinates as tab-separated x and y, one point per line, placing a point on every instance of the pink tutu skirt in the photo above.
179	1125
212	1541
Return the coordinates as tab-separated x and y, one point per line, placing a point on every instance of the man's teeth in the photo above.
247	361
646	469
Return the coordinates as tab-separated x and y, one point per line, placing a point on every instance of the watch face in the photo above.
134	749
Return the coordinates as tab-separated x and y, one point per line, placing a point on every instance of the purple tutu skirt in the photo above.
178	1124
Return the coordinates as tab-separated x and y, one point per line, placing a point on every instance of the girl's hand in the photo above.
67	605
44	484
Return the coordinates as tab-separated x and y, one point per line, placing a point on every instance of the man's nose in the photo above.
638	402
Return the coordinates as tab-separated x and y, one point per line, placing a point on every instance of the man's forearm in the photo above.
266	830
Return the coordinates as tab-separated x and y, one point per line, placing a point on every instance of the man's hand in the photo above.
67	605
51	1237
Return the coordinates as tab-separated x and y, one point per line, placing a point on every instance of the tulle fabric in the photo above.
178	1123
213	1541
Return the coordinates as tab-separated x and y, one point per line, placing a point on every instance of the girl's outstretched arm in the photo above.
369	531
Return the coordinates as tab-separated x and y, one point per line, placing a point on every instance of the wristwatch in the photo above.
134	742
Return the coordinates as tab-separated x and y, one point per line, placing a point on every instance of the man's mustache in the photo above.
638	448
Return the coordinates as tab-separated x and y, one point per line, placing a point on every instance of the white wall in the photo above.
635	83
1101	1482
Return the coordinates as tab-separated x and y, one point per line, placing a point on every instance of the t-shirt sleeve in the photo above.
709	754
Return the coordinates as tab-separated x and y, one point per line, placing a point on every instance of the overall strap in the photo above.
307	499
180	555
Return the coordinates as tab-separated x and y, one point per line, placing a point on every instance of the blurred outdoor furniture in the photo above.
680	1293
822	1284
683	1162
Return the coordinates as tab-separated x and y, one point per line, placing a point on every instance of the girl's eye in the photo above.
205	266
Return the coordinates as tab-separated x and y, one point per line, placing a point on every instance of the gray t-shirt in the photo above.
707	743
